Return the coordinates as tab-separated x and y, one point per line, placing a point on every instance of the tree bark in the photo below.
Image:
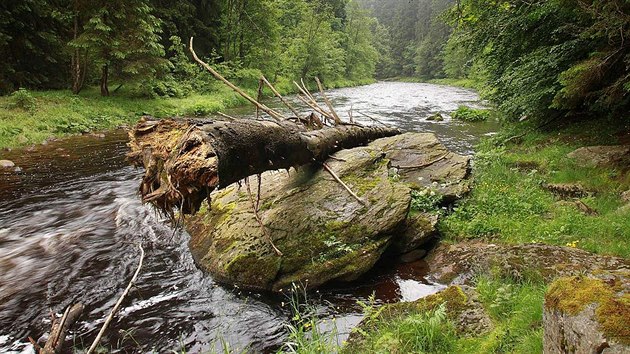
186	160
104	80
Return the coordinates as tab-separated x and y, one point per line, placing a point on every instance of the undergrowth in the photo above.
515	308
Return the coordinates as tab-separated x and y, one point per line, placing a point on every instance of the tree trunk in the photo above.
186	160
104	80
76	70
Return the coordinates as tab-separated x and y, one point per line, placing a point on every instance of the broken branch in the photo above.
118	303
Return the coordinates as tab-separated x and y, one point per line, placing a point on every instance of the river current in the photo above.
70	221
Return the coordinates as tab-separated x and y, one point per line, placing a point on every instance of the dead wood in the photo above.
118	303
60	328
186	160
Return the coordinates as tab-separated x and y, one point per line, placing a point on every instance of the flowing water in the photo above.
70	222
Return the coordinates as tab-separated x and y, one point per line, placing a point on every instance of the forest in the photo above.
578	48
415	176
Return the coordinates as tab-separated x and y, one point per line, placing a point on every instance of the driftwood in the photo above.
186	160
117	305
59	330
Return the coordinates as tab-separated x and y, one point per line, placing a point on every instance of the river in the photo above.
70	220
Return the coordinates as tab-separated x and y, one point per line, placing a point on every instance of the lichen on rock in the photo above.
588	314
460	263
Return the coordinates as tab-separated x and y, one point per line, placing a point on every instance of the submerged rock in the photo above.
437	117
588	314
602	156
322	231
459	263
6	164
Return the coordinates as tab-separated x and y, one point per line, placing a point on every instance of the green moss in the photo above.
572	295
251	269
360	184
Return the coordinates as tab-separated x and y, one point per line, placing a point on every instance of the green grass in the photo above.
468	114
509	202
31	117
59	113
515	308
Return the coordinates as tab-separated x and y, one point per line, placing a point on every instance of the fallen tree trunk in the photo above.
186	160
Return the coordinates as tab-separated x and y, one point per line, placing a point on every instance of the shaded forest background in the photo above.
540	58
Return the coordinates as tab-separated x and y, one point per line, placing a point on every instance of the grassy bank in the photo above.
511	200
32	117
511	203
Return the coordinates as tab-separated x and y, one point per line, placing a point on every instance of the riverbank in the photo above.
532	202
33	117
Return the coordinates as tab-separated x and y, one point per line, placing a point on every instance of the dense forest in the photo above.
533	58
59	44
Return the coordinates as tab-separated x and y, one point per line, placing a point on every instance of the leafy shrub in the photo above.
468	114
22	99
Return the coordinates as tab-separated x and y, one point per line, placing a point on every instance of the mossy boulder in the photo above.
437	117
588	314
603	156
459	263
322	231
463	309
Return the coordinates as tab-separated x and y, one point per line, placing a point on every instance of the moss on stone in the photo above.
360	184
573	294
373	326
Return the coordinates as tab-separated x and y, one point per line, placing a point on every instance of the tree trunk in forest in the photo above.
75	62
104	81
186	160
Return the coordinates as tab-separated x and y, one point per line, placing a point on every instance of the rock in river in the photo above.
322	231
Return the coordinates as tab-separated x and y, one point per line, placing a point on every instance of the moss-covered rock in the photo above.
463	310
588	314
459	263
322	231
603	156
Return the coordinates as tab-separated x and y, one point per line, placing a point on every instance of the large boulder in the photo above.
460	263
588	314
603	156
322	231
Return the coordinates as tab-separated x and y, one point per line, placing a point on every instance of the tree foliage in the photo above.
548	57
69	43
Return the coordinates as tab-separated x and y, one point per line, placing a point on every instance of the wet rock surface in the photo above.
588	314
459	263
322	231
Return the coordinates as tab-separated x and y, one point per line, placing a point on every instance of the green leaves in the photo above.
547	57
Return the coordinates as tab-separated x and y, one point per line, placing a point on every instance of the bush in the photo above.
22	99
468	114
